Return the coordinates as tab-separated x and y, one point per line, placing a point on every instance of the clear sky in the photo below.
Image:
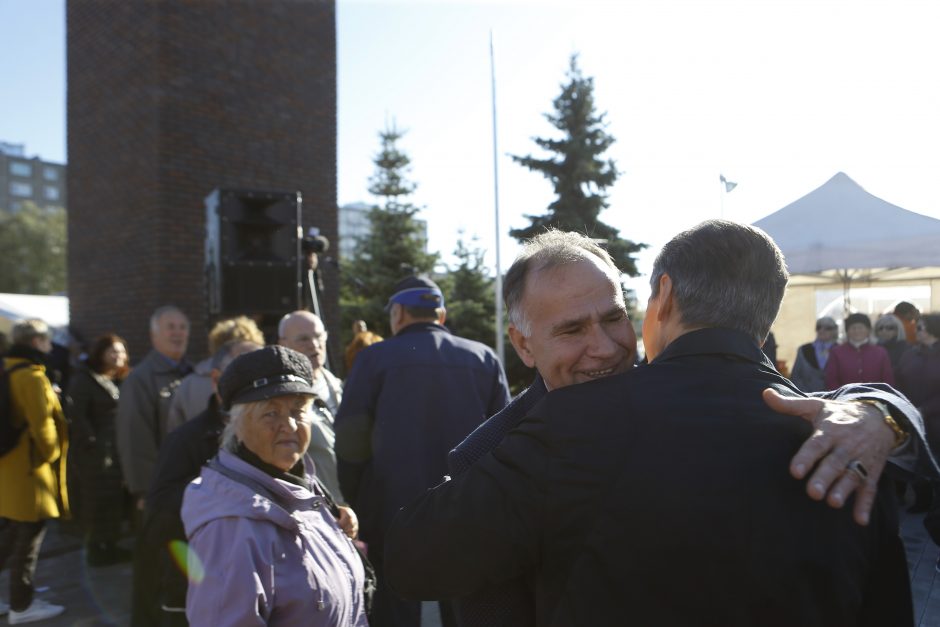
777	95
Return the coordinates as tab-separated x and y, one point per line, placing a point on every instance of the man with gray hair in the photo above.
608	491
146	395
572	327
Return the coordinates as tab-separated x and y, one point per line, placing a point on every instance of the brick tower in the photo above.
168	100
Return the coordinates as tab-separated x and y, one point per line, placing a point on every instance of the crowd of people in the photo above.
262	489
902	351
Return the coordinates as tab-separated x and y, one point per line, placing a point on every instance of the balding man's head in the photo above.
304	332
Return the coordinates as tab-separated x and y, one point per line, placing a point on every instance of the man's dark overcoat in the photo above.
658	497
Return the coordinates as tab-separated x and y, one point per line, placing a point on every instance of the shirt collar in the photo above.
419	327
182	365
716	341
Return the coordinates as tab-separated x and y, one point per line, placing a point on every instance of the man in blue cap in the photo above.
407	402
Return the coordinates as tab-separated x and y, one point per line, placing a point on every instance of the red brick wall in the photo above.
166	101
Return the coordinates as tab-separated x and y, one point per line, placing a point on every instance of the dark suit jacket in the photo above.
508	604
658	497
407	402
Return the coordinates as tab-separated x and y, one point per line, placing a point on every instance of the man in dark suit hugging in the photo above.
661	496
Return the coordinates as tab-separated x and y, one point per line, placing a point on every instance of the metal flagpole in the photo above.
500	348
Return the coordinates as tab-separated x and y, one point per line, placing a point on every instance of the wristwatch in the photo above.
900	435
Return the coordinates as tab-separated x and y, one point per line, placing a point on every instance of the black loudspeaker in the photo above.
253	260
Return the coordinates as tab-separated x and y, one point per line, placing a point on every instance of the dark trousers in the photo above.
158	582
923	495
19	547
932	519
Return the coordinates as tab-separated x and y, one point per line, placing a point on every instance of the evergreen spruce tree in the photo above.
469	295
395	246
578	171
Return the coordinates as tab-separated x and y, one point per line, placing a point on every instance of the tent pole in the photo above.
846	297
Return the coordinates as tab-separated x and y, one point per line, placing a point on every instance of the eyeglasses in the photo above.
826	328
885	329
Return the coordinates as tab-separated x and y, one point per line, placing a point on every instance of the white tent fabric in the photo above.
53	310
839	232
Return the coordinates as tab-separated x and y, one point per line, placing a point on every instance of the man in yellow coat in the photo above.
32	475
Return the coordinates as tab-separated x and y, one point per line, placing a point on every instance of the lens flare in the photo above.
187	561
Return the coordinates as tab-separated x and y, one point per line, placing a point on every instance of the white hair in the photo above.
243	411
890	320
229	438
159	312
296	314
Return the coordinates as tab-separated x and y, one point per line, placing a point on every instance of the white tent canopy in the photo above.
53	310
839	233
838	238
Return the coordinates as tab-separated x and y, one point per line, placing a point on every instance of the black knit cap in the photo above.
266	373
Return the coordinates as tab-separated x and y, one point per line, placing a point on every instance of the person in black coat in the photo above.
809	368
91	407
661	496
538	301
889	329
160	581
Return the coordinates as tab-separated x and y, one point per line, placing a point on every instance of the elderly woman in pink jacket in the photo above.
858	360
266	543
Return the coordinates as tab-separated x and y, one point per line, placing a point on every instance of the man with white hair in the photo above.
304	332
146	395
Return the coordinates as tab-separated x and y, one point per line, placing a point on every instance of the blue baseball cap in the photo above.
416	291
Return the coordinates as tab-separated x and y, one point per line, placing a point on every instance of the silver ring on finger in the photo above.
858	468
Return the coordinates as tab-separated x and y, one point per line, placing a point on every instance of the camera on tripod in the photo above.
314	244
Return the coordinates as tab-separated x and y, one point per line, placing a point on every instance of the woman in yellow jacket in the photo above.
32	475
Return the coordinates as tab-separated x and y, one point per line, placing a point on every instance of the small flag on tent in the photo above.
728	184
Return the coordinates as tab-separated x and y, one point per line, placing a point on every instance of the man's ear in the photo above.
394	317
521	344
666	303
441	315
